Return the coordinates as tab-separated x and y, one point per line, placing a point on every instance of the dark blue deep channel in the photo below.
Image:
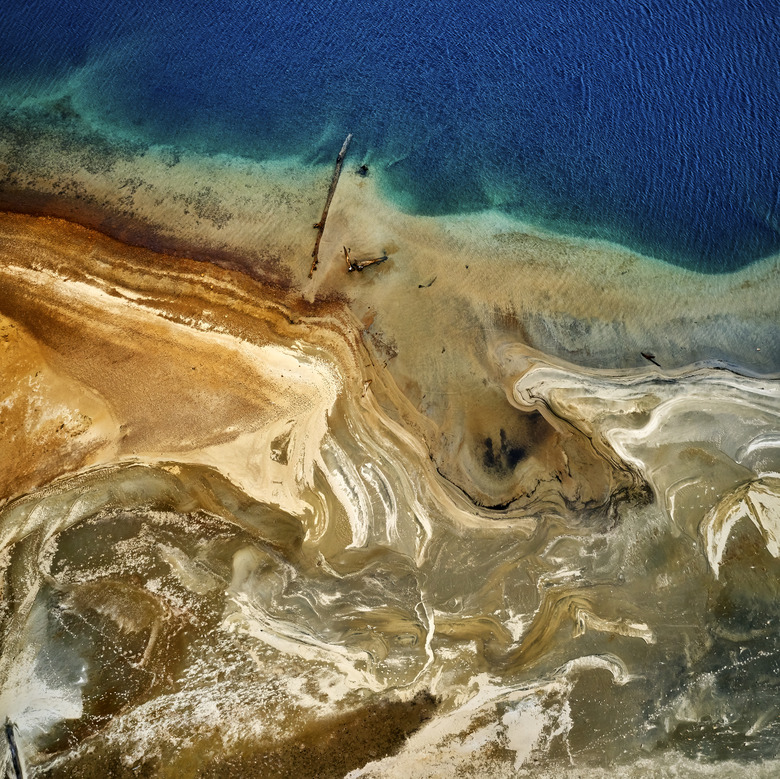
652	124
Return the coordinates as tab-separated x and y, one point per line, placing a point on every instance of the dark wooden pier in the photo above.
320	226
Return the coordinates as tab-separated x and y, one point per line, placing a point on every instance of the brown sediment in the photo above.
132	229
137	360
54	420
329	748
104	333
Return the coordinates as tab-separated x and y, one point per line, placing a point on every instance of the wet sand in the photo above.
453	291
446	497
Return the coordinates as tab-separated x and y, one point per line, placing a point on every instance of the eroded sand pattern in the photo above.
243	529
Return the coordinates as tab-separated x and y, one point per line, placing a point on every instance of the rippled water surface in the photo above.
652	125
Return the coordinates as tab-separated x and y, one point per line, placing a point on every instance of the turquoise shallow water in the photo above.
655	126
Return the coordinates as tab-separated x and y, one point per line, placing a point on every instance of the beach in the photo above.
502	502
230	396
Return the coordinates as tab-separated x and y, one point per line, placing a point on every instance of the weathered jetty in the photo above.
320	226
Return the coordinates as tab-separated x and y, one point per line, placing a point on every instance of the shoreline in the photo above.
54	120
453	293
58	114
371	430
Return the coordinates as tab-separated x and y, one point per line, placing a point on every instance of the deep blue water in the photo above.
653	124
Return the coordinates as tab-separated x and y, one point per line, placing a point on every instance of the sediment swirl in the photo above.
227	531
